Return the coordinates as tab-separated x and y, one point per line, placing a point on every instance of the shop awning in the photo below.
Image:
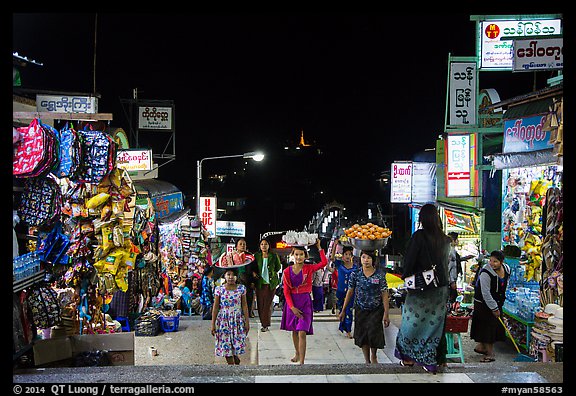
519	160
155	187
173	217
460	208
532	103
166	197
527	109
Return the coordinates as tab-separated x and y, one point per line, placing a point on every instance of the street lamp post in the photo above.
254	155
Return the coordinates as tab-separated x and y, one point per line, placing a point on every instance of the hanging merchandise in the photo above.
98	156
552	282
170	247
36	153
527	196
43	303
524	196
55	245
41	201
70	152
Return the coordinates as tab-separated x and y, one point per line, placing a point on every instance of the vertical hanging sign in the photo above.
462	93
458	166
208	214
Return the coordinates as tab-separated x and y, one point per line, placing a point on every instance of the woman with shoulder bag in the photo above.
421	339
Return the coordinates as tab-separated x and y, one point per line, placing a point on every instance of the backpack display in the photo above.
70	152
98	156
41	201
36	153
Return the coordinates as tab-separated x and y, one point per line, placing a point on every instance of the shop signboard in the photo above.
401	182
458	166
152	117
496	53
538	54
67	104
134	160
526	134
167	204
462	93
231	228
461	220
208	214
423	182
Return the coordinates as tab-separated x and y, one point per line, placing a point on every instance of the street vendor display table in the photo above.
528	324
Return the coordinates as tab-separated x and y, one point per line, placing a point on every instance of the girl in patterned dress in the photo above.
230	322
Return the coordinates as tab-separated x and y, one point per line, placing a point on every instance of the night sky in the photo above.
367	89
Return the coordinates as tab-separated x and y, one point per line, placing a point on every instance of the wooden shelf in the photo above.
29	115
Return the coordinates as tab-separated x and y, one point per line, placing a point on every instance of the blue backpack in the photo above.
98	156
70	152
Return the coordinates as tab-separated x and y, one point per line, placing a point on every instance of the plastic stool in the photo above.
452	351
187	311
124	322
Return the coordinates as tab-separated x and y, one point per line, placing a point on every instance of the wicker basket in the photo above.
457	324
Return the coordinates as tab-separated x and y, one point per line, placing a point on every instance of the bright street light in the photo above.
256	156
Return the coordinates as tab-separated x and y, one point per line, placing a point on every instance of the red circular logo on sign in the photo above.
492	31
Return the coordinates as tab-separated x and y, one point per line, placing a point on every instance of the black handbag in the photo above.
424	280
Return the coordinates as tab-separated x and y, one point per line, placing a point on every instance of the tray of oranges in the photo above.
367	236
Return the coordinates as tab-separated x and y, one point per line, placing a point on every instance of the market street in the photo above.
187	355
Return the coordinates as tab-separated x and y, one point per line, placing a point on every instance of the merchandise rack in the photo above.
527	323
28	281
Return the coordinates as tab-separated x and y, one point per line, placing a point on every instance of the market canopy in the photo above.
155	187
519	160
166	197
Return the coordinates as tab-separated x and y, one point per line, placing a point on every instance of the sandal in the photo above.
487	359
429	370
480	352
404	364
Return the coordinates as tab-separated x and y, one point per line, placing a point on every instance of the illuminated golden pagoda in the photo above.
302	142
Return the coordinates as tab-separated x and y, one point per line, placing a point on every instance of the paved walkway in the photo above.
187	356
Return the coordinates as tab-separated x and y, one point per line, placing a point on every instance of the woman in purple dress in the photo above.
297	312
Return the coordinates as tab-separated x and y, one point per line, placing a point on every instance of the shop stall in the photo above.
532	237
467	224
75	250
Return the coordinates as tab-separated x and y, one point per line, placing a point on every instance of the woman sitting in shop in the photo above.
190	295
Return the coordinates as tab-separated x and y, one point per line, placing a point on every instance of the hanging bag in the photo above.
43	303
98	156
424	280
70	152
30	150
41	201
55	246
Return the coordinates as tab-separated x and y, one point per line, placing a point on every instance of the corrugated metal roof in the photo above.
531	108
155	187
